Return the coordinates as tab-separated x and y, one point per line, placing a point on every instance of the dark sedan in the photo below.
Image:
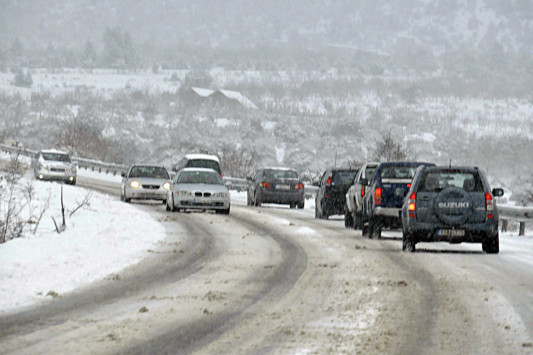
276	185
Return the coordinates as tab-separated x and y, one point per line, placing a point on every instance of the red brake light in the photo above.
489	204
362	190
412	202
266	184
409	185
377	196
299	186
328	183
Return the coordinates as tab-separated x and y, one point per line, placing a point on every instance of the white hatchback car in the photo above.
200	189
145	182
51	164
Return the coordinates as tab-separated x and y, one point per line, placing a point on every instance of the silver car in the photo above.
200	189
145	182
54	164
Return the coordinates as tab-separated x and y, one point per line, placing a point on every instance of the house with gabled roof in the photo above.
228	98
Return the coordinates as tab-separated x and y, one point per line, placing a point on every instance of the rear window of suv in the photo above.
434	181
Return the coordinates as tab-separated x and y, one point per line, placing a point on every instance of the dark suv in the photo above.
383	200
451	204
276	185
331	194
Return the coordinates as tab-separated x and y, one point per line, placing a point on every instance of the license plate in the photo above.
451	232
283	187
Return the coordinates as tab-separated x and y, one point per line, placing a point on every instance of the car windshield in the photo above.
199	177
204	163
56	157
398	172
434	181
155	172
344	177
272	174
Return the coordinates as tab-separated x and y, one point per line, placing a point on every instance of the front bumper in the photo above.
146	194
44	174
210	203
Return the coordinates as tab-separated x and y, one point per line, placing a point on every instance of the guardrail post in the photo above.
522	229
505	225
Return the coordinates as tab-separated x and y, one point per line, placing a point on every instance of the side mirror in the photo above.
123	175
497	192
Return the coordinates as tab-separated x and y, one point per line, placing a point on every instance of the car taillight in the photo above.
266	184
412	205
489	204
362	191
377	196
328	183
299	186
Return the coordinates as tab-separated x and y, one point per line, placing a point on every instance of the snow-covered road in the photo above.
264	279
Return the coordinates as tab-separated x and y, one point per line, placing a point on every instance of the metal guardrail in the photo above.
520	214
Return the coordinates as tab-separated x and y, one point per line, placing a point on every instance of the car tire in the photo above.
292	205
357	221
491	245
324	214
301	205
257	201
226	211
316	212
127	200
408	244
348	219
248	199
370	230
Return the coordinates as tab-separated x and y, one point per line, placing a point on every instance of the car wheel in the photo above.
292	205
374	229
408	244
167	207
127	200
324	214
301	205
357	221
257	201
491	245
348	219
248	199
316	212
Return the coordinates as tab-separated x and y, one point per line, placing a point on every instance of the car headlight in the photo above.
166	185
220	194
183	193
135	184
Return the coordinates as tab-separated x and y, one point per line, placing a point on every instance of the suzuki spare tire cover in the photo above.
453	205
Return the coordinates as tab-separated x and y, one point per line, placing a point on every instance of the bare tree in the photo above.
388	149
237	161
